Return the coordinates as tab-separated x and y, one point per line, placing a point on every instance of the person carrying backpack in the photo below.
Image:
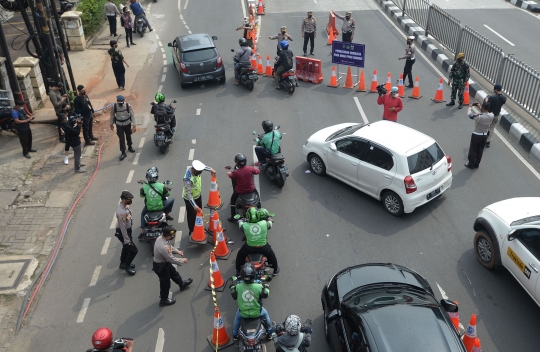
284	61
122	116
160	112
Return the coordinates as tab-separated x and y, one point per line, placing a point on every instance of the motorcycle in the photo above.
248	75
164	134
288	79
65	6
155	220
275	168
140	25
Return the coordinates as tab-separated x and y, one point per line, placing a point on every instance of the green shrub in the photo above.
92	14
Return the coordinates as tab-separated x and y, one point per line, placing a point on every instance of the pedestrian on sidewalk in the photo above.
163	265
410	59
392	104
72	127
192	191
479	136
83	107
309	31
118	62
347	30
248	32
496	101
57	100
127	22
123	233
123	117
111	11
138	11
68	114
22	125
459	75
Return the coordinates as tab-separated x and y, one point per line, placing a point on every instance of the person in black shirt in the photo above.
22	124
496	101
83	106
72	129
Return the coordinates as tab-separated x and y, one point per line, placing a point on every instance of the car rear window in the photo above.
425	158
199	55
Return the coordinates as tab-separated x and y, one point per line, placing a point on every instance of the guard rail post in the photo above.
428	20
460	39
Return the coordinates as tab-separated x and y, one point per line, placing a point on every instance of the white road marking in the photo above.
443	294
163	78
159	90
315	1
243	7
179	6
136	158
185	5
113	222
193	141
198	111
184	22
165	69
187	27
105	246
162	50
130	176
84	307
256	177
157	37
361	110
165	61
259	31
161	334
191	154
141	143
500	36
160	43
164	56
95	276
181	17
535	173
178	239
149	6
189	32
181	215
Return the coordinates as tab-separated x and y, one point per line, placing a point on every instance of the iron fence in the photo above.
521	83
418	11
444	27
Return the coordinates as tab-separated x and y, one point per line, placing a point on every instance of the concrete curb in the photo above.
527	5
520	134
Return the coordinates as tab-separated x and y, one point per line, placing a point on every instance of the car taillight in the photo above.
449	161
219	61
410	186
183	68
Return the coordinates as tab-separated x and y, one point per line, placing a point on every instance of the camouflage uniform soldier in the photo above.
460	74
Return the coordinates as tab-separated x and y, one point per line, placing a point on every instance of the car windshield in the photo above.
425	158
345	131
376	297
199	55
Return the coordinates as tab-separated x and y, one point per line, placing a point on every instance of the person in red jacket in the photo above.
242	178
392	104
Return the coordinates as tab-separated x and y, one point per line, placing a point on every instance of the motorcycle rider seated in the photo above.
242	59
294	337
256	230
269	144
283	62
102	340
161	114
138	11
242	179
155	197
249	307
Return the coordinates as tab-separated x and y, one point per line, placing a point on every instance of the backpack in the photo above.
288	64
296	347
161	115
115	111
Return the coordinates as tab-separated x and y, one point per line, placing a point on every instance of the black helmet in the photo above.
152	174
267	126
242	42
240	159
248	273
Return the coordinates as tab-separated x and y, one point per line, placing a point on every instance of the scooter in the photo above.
288	80
140	25
275	168
164	134
248	76
155	220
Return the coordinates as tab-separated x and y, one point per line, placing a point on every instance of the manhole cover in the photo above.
11	272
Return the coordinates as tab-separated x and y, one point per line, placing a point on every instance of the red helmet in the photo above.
102	338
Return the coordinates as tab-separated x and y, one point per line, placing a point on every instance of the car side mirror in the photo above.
333	315
512	235
333	147
449	306
214	37
169	45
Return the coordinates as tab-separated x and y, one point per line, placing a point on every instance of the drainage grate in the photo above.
11	272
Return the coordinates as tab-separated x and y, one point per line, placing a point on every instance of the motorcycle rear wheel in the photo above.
280	180
290	87
250	85
142	32
163	149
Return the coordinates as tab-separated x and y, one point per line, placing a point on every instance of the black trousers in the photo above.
60	131
234	197
112	24
407	70
129	35
346	36
119	73
166	272
311	38
87	128
476	149
124	133
191	214
266	250
25	137
129	251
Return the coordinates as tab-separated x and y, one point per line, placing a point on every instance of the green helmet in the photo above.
252	214
263	214
160	98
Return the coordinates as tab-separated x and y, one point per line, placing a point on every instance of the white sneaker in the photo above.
66	160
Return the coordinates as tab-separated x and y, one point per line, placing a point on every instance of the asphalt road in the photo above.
321	224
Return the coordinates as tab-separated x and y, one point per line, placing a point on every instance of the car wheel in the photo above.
484	250
222	80
183	86
325	322
317	165
392	203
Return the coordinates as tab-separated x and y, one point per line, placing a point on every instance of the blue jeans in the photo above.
261	153
167	208
145	20
238	320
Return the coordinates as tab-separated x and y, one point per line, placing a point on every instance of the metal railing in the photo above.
418	10
521	83
444	27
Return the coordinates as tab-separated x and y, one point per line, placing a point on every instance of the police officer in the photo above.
163	266
479	136
282	35
410	59
123	117
459	75
118	62
309	31
496	101
123	233
347	30
110	10
192	191
249	35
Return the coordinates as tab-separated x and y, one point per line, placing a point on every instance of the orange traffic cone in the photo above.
416	90
477	347
470	334
466	99
222	252
198	235
361	83
260	8
401	89
331	37
260	70
219	338
439	94
254	50
218	228
388	84
214	200
455	317
268	72
212	221
348	80
374	83
333	79
219	284
254	60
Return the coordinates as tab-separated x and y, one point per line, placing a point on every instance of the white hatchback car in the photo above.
508	235
391	162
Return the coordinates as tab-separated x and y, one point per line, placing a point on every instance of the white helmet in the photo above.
197	165
293	324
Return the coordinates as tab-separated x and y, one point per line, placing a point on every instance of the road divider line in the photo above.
362	113
181	17
165	69
161	334
160	43
157	37
179	6
164	62
184	22
113	222
130	176
198	111
185	5
500	36
136	158
178	239
163	78
106	246
535	173
256	177
164	56
191	154
181	215
443	294
141	143
189	32
95	276
162	50
193	141
243	8
84	308
159	90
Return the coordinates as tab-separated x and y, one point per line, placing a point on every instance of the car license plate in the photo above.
253	77
292	78
433	194
159	138
204	78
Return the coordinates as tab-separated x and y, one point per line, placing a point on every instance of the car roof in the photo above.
195	41
397	137
513	209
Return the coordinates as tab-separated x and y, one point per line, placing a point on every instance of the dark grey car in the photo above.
197	60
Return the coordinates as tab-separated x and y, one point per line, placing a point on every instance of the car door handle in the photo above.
388	177
354	164
532	266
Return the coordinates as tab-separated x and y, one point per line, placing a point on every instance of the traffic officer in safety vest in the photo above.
192	191
347	30
123	117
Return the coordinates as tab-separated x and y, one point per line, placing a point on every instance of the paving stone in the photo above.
17	245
